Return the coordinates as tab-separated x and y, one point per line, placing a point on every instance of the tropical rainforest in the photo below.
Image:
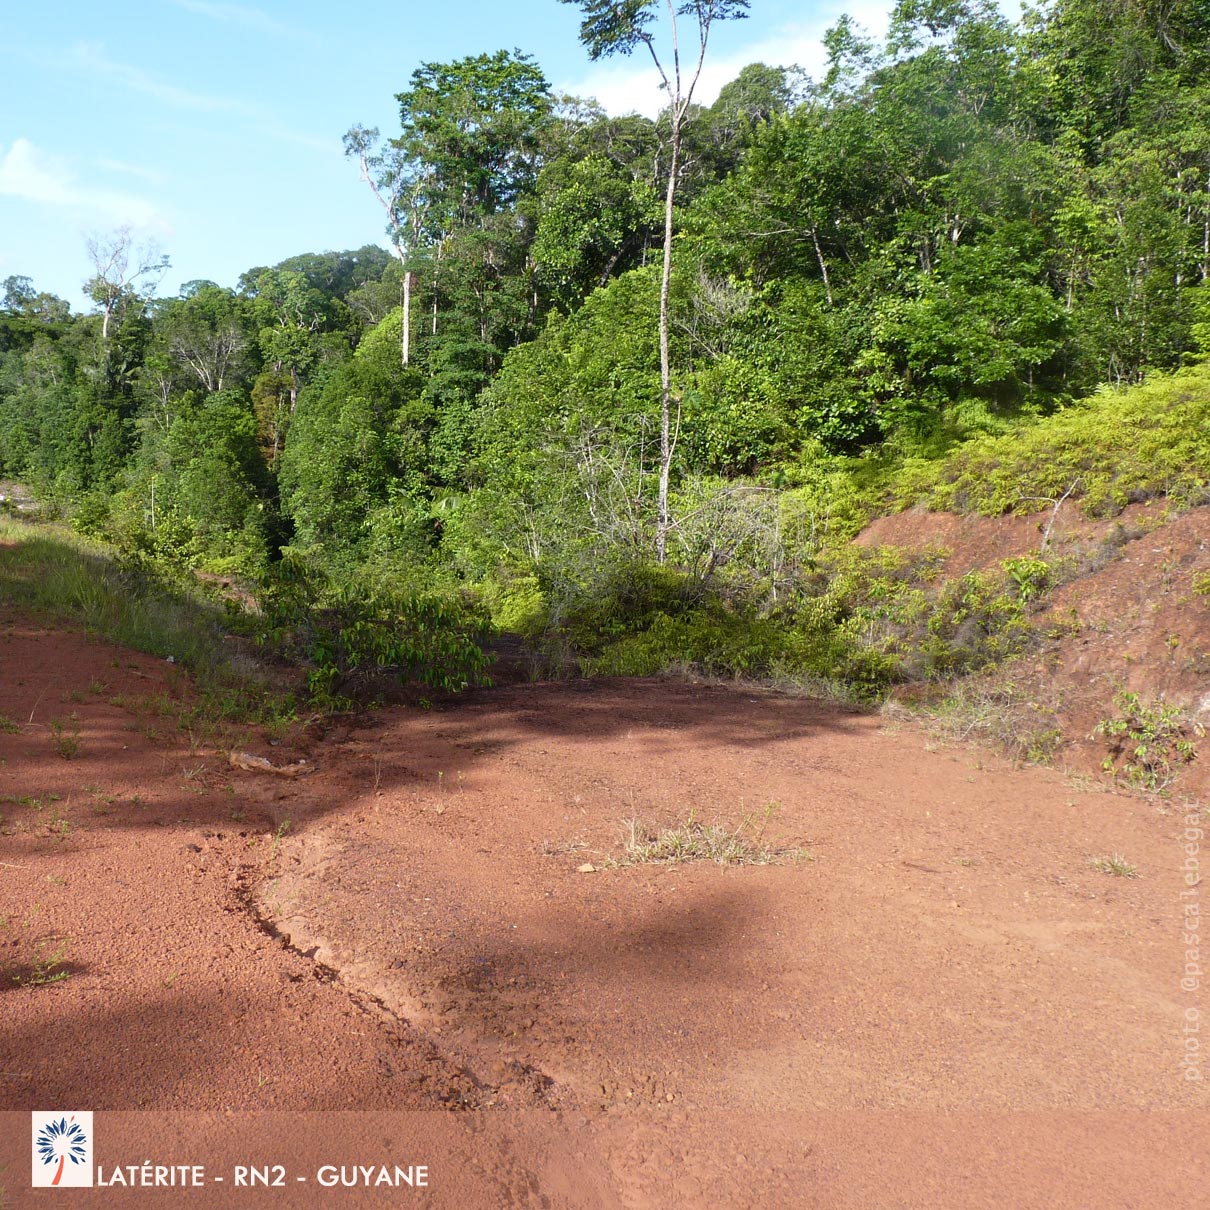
881	287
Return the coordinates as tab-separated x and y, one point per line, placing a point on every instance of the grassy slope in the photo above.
48	570
1115	447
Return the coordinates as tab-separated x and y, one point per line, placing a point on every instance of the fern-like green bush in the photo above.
1121	446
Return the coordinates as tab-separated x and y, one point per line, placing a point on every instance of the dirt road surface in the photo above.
433	949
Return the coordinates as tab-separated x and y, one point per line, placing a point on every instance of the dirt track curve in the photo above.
938	1001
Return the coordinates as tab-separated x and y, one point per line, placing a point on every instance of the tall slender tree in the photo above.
399	185
612	28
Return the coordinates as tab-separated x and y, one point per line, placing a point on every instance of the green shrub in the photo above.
896	620
716	645
864	618
1122	446
1032	576
516	604
356	629
1148	742
618	597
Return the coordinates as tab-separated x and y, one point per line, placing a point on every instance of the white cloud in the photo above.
91	57
38	176
246	18
27	173
121	168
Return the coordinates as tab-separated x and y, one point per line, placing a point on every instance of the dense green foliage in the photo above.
925	278
1115	448
359	628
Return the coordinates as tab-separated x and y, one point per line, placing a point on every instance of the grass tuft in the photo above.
47	967
697	841
65	743
1114	864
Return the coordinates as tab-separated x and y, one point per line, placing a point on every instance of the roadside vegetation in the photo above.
49	570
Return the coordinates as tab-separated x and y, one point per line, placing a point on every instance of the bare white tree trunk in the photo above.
679	99
823	264
390	183
405	335
663	518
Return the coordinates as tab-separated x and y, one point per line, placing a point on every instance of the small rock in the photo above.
587	868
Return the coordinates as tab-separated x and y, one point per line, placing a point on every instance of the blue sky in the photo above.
213	129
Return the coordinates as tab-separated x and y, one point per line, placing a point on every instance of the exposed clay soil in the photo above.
1129	616
937	1001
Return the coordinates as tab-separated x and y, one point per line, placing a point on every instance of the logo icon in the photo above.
62	1150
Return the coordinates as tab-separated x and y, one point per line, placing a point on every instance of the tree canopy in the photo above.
613	338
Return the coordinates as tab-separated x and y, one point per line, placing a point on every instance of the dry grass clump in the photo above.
697	841
1114	864
992	710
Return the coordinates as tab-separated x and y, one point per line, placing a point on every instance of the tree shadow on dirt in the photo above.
653	946
624	721
644	983
99	765
184	1050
